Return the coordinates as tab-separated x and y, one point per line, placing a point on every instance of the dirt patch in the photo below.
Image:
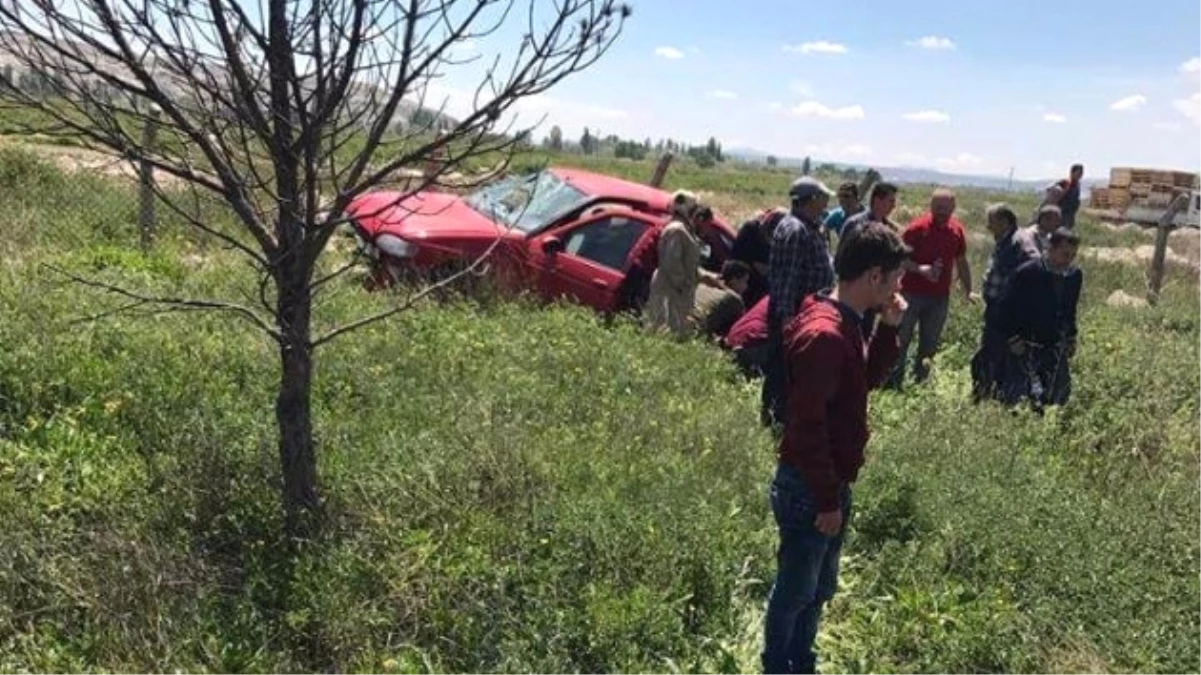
1121	298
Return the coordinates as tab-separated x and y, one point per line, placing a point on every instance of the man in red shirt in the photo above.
825	431
938	242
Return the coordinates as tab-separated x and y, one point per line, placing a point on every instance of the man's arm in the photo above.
965	277
885	346
1073	299
815	368
782	276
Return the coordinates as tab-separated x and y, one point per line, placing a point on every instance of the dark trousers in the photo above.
752	359
806	575
774	398
1042	374
988	363
928	315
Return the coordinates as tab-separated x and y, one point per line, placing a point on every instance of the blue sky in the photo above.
966	87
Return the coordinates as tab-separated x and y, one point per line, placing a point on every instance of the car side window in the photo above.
606	241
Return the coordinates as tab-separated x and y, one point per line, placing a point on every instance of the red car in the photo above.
561	233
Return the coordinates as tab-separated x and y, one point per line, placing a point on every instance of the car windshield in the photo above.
526	202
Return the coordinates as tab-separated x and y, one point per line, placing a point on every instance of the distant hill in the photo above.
903	174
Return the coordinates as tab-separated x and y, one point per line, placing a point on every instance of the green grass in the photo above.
521	489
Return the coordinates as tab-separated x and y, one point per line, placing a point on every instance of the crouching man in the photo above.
831	370
1039	319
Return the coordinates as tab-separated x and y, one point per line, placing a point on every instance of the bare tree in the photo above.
287	112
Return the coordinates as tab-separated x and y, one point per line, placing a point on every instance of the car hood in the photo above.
422	216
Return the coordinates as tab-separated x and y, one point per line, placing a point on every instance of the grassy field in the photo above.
515	488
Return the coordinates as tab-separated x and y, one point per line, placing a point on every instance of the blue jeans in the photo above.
806	575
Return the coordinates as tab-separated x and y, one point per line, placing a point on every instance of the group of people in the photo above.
827	322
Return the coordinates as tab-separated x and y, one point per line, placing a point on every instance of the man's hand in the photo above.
829	523
709	279
930	272
971	297
895	310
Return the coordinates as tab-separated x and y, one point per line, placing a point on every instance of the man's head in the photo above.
809	197
1077	172
1050	217
848	196
1053	193
683	205
1062	252
703	215
868	265
942	205
1001	219
736	274
883	200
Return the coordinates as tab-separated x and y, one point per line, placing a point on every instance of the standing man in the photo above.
881	202
1038	317
800	266
1012	250
825	434
938	241
848	205
1069	203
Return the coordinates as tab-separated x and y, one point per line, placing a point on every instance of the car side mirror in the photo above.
552	245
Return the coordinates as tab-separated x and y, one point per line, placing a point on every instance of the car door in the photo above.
584	260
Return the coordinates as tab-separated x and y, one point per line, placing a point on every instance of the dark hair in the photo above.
1004	213
732	270
867	246
1077	167
1062	235
704	213
849	188
882	190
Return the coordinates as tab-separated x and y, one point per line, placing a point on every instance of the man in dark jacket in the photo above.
753	247
825	433
1013	249
1038	317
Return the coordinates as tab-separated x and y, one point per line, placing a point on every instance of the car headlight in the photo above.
395	246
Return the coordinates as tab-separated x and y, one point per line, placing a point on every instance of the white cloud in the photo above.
1190	107
964	160
1167	126
722	93
1055	117
910	158
1133	102
775	106
1191	66
669	53
932	42
857	150
818	47
815	109
937	116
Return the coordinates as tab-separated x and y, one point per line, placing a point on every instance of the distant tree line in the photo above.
590	143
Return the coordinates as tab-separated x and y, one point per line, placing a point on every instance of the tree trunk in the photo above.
293	413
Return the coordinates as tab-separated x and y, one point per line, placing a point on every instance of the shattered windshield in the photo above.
526	202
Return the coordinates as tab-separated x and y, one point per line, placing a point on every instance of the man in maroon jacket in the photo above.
831	371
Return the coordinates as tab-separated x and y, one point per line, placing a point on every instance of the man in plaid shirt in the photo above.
800	265
1014	248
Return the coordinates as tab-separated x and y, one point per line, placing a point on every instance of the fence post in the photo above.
146	215
661	170
1161	246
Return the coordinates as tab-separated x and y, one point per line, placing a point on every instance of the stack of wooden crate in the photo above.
1149	187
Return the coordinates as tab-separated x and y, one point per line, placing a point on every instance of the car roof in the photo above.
599	185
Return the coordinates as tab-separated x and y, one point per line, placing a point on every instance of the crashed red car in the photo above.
558	233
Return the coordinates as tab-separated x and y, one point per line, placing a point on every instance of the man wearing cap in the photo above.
800	266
